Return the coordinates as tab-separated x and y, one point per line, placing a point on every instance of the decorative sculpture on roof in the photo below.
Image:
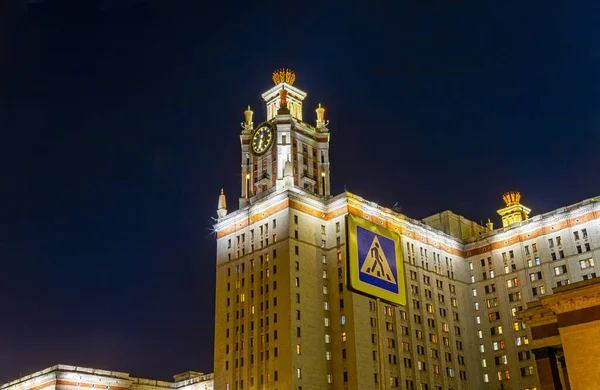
284	76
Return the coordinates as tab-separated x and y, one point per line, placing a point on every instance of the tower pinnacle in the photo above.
514	210
222	205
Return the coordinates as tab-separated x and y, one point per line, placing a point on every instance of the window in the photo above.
541	290
583	264
298	349
527	371
535	276
562	269
501	360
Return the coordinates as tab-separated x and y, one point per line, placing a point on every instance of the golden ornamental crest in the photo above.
284	76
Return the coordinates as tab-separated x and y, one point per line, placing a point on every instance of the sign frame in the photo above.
353	223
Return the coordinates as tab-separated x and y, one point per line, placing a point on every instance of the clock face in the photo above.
262	139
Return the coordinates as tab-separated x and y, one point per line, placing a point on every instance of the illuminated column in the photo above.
247	192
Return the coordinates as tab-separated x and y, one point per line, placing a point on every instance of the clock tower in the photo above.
283	149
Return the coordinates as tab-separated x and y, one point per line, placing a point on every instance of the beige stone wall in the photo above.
582	354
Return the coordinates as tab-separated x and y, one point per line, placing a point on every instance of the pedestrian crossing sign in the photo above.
375	261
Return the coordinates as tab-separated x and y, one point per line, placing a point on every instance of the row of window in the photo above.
505	375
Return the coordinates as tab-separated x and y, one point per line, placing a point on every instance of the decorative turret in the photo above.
222	206
320	115
248	125
489	225
514	211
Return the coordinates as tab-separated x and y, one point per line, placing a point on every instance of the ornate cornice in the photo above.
568	304
537	315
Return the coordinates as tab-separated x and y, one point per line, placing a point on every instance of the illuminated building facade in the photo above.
63	377
285	318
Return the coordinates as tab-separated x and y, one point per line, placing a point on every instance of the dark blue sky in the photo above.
119	124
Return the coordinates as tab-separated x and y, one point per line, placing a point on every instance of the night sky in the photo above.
120	121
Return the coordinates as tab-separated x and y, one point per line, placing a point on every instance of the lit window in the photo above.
298	349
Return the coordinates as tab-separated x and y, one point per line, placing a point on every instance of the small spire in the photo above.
248	116
320	115
222	205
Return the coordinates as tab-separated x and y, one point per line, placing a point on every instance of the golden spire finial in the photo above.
284	76
222	192
320	114
248	115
